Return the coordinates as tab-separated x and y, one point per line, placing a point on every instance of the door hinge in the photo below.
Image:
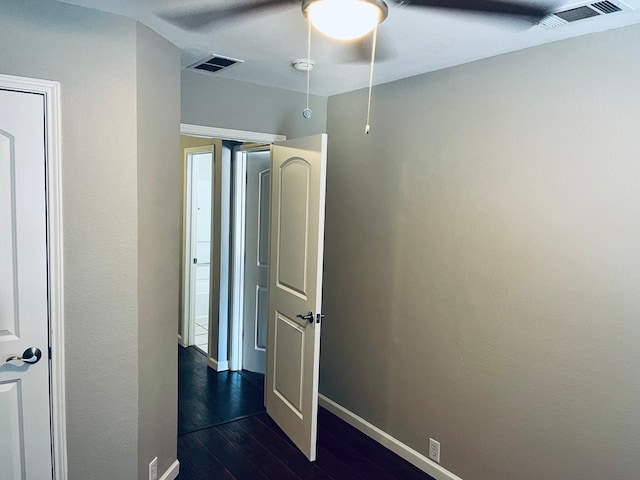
50	354
195	260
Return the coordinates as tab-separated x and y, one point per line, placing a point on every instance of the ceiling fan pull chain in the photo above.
307	111
367	128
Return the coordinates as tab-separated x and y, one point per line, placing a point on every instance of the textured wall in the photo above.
121	201
220	102
159	232
93	55
482	261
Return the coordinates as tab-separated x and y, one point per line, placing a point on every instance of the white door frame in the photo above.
51	92
188	274
238	241
238	201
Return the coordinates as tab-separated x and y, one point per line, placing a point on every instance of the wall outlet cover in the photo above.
153	469
434	450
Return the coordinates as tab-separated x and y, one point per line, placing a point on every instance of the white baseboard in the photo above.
218	366
172	472
409	454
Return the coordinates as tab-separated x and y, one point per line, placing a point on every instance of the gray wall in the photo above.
159	233
94	56
482	261
219	102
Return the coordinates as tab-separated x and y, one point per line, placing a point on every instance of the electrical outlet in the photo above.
153	469
434	450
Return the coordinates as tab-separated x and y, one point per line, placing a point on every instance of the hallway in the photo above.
224	433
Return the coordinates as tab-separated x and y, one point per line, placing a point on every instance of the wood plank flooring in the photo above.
207	398
253	447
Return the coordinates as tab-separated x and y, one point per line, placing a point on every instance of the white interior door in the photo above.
256	261
298	175
25	417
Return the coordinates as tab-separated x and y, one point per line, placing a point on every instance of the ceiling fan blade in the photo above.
359	51
196	19
534	11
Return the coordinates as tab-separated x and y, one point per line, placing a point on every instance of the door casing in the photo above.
53	153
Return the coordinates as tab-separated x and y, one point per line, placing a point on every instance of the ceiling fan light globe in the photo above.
344	19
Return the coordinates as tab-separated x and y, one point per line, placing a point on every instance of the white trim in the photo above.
229	134
237	265
218	366
51	92
172	472
409	454
181	342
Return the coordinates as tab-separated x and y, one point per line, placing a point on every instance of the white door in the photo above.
256	261
25	418
298	174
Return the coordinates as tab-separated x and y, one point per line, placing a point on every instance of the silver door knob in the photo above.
30	355
308	317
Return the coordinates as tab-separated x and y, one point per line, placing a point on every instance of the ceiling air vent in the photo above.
582	12
606	7
214	64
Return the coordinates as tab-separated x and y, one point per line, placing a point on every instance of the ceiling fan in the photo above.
351	19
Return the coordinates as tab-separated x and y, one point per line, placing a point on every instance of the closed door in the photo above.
25	417
298	174
256	261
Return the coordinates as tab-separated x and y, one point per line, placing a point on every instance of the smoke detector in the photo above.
303	64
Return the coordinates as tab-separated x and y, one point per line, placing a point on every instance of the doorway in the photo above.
292	286
199	168
253	162
224	298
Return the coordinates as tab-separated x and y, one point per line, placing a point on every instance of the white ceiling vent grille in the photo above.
582	12
213	64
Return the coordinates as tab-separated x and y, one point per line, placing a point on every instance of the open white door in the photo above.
298	175
256	276
25	415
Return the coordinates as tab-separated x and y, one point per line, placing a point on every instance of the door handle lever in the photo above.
30	355
308	317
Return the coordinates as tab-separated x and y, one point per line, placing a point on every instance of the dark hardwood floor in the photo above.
207	398
215	444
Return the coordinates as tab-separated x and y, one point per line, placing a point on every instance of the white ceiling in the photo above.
420	41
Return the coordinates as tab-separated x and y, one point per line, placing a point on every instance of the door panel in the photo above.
261	319
8	267
12	427
295	287
25	418
292	220
289	361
